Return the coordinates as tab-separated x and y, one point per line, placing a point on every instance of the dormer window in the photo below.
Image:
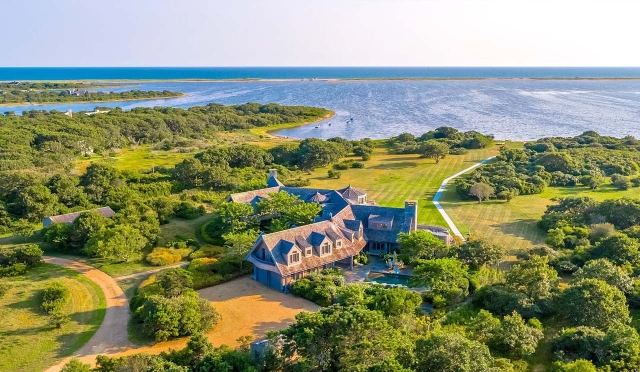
326	248
294	257
308	252
338	243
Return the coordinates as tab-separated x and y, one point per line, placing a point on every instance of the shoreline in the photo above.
336	80
269	131
92	101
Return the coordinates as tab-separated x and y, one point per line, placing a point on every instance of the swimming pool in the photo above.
388	278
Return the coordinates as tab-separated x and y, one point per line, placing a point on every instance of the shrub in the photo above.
188	211
54	298
298	182
187	314
458	151
635	182
333	174
13	270
362	258
163	257
343	165
319	287
209	251
4	289
357	165
208	272
366	157
16	261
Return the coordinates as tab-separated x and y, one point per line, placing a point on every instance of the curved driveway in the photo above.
443	186
111	337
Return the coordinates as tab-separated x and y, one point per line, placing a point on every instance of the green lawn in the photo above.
392	179
513	224
27	341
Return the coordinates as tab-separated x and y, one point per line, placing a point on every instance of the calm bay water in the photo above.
508	109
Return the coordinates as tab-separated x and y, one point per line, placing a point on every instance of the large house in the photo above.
348	224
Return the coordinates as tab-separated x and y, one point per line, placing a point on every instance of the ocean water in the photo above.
221	73
508	109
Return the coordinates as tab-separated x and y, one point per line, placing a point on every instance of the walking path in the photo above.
152	271
443	186
111	337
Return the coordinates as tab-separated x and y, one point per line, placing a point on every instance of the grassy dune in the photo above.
27	341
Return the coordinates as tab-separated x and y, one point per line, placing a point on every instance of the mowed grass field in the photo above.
27	341
390	180
513	224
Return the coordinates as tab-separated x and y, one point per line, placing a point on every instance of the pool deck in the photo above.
359	273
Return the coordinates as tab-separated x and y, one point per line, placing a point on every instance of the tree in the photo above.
580	365
187	314
240	243
604	270
434	149
236	216
83	226
314	153
420	244
189	172
277	203
579	343
481	190
507	195
477	253
175	282
556	162
119	242
555	238
137	363
22	228
515	338
534	277
36	202
600	231
302	214
594	303
445	277
393	302
619	248
338	338
483	327
75	365
452	352
193	353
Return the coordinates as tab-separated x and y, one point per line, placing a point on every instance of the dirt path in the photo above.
111	337
153	271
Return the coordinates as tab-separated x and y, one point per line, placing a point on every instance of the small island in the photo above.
25	93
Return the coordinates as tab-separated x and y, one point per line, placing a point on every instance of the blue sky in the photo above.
320	33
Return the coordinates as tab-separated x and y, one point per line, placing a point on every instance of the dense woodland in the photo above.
9	97
35	85
586	160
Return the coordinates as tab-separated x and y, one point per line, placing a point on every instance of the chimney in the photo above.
273	173
411	213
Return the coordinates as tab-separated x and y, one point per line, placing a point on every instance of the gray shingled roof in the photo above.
314	234
351	193
249	196
70	217
272	181
401	223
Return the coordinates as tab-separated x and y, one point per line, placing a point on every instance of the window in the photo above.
338	243
294	257
308	252
326	248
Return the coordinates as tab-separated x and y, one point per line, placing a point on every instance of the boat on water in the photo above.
350	120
